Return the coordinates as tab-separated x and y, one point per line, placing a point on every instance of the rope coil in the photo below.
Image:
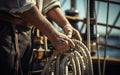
75	62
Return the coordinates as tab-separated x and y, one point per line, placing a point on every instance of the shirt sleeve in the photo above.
22	6
49	4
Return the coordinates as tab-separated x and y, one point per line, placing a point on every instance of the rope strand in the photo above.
75	62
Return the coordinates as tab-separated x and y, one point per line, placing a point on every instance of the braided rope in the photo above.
76	61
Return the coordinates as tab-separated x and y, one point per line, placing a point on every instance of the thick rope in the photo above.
87	52
76	61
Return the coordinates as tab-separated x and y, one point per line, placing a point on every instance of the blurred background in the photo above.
104	31
106	12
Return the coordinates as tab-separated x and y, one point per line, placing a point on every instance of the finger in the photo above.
69	34
77	36
66	45
68	31
71	43
63	46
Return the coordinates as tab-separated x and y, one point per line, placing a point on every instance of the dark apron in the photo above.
7	49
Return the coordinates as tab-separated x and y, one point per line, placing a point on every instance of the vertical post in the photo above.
92	4
73	4
73	12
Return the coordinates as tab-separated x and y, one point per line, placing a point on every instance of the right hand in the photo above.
62	43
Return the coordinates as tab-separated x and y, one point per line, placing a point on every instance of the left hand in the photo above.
72	32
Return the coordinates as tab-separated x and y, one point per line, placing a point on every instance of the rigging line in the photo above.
106	37
73	61
82	64
82	50
73	65
114	22
87	52
84	5
112	1
67	69
98	8
96	26
50	60
63	63
63	2
88	25
77	63
82	27
57	65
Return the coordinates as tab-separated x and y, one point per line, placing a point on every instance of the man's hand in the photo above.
72	32
62	43
56	15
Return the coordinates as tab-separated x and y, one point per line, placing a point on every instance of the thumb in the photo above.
68	30
69	34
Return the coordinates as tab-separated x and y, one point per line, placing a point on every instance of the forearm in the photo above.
57	15
37	19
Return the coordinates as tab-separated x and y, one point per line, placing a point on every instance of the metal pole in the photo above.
73	12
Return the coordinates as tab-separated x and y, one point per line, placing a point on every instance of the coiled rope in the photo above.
76	61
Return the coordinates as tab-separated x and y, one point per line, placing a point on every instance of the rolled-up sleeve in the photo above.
16	5
49	4
23	5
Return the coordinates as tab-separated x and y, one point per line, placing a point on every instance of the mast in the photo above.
73	12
